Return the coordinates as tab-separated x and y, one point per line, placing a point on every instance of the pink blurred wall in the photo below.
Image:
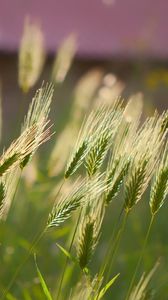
105	28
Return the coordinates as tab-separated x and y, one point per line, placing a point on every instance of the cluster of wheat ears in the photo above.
112	148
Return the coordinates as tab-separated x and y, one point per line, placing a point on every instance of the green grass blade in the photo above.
43	283
66	253
106	287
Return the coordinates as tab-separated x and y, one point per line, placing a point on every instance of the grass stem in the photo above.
107	253
140	258
66	261
112	249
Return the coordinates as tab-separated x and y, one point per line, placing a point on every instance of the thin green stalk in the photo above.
107	253
115	247
140	257
112	250
66	261
59	190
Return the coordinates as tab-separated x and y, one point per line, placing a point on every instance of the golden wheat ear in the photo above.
31	55
86	288
39	108
37	116
164	125
0	111
12	159
22	148
10	180
64	58
35	131
141	290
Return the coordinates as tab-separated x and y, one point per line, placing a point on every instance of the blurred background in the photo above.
124	38
127	38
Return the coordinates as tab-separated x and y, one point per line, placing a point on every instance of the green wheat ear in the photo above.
89	229
115	178
8	163
25	161
94	139
103	138
86	243
2	196
97	154
63	209
159	188
77	159
159	191
81	147
147	149
135	184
